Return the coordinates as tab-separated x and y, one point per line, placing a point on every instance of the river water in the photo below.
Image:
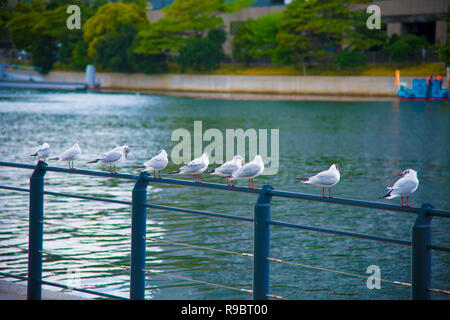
87	244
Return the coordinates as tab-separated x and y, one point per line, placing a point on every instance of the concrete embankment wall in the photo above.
314	85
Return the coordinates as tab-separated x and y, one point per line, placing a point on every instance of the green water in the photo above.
87	243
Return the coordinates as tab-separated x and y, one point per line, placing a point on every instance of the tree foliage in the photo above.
110	21
202	54
444	50
256	39
182	21
309	28
401	49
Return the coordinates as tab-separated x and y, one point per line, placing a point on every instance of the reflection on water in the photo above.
91	240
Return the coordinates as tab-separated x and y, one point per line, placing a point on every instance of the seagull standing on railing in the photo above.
43	152
70	155
249	171
195	167
228	168
158	162
113	157
325	179
406	185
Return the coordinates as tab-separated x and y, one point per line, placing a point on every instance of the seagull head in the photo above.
258	159
125	150
406	172
162	152
336	166
239	158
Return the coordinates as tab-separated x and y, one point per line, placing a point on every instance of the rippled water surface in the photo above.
87	243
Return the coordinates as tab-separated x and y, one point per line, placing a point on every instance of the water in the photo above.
87	243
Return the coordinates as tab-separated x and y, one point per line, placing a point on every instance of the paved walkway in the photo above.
10	290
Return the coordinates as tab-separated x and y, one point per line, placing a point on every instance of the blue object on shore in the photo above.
437	92
421	91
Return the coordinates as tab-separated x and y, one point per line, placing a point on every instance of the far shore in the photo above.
251	96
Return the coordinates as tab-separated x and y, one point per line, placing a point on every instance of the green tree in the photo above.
41	29
401	49
256	39
444	50
184	20
203	54
27	33
364	39
309	28
110	20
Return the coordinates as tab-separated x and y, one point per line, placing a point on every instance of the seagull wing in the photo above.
404	186
324	178
248	170
112	156
157	163
70	154
227	168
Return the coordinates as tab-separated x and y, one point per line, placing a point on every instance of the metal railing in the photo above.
420	242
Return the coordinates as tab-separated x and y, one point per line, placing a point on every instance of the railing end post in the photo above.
36	232
261	244
421	254
138	233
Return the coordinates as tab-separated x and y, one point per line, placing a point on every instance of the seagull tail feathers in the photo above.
302	180
175	172
210	171
93	161
54	158
387	195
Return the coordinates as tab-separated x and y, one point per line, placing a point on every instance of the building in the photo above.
424	18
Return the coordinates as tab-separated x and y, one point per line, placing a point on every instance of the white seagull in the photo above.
325	179
249	171
227	169
195	167
70	155
113	156
158	162
43	152
406	185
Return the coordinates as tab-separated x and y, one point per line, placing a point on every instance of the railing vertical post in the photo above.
138	232
35	233
421	255
261	245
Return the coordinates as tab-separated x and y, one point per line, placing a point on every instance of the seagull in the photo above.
158	162
113	156
43	152
70	155
325	179
195	167
407	184
228	168
249	171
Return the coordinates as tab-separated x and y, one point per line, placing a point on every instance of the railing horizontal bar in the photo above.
202	185
53	284
57	194
203	213
69	195
17	165
72	171
15	189
341	233
357	203
438	248
277	193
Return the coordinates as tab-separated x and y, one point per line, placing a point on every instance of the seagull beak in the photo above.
340	169
398	174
